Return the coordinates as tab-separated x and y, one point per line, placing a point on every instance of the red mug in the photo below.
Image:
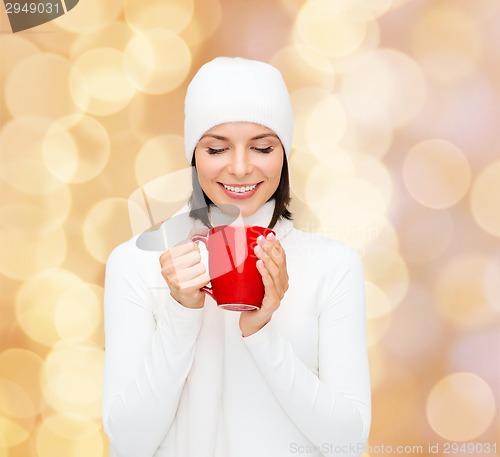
236	283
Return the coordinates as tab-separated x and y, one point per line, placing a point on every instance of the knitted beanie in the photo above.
237	90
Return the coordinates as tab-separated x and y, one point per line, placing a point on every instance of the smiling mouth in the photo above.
239	188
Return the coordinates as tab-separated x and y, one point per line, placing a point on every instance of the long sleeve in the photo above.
146	362
332	409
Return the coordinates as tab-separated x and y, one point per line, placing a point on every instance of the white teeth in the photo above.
240	189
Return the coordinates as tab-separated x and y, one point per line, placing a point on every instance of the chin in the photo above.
246	210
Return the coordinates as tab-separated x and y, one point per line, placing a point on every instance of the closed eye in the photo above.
215	151
265	150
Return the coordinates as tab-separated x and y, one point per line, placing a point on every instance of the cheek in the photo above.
206	169
272	168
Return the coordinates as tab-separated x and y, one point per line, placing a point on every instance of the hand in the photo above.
184	273
272	267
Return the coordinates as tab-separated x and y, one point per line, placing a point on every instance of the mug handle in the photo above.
206	289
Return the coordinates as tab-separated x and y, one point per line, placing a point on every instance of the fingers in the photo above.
197	283
189	259
278	255
183	248
272	297
272	266
183	271
187	275
182	268
269	258
267	278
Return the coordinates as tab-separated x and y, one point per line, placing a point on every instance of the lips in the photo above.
240	188
240	191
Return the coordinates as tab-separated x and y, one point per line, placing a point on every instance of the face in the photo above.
239	163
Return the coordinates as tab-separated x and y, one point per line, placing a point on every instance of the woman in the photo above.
184	378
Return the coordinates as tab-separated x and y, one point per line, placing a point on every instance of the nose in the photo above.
240	164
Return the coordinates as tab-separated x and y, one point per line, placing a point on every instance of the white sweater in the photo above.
183	382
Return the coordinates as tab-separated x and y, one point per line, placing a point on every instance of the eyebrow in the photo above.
223	138
264	135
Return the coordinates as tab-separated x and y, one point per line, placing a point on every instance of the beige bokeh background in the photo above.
396	153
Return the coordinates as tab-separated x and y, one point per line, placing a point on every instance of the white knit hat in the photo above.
237	90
